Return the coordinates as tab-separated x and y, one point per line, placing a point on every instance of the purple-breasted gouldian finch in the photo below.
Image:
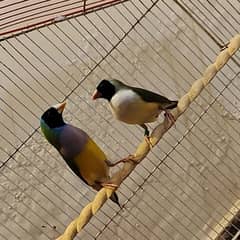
80	152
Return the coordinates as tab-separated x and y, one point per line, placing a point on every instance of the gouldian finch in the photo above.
80	152
134	105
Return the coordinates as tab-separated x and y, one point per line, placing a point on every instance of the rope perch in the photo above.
143	148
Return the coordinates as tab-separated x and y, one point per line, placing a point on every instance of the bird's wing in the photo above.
149	96
75	169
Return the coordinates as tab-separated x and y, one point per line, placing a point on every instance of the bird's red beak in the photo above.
96	95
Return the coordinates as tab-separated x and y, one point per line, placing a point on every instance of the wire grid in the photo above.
186	185
17	16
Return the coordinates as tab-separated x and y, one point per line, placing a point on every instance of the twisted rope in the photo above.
143	148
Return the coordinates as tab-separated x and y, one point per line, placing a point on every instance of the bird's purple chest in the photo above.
72	141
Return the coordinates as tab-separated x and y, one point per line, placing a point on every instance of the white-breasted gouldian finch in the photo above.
81	153
134	105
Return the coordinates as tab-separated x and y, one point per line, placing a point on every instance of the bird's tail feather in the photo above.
171	105
115	199
114	196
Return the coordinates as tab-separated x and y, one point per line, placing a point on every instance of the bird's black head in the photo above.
53	116
105	89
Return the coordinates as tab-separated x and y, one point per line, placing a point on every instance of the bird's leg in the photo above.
169	116
127	159
146	134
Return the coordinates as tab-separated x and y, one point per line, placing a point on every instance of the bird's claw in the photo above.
169	116
148	141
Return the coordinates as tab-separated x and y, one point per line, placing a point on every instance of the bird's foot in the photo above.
148	141
127	159
168	115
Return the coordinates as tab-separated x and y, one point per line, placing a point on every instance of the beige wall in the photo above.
187	195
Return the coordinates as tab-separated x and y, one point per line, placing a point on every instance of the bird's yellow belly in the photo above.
91	163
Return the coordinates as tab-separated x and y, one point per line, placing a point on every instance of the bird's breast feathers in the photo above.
127	106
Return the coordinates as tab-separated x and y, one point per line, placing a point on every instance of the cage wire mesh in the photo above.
188	183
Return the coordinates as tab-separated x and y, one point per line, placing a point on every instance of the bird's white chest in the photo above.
128	107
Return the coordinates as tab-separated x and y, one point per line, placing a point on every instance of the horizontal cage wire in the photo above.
188	186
